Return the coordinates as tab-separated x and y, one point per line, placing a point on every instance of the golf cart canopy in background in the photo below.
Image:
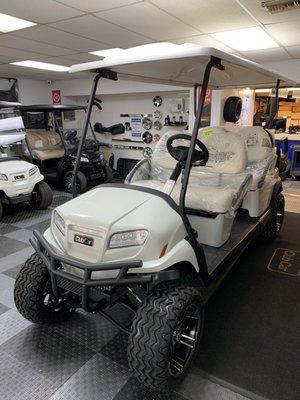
11	123
51	107
184	64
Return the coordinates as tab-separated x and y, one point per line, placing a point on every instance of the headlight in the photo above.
3	177
59	222
127	239
33	171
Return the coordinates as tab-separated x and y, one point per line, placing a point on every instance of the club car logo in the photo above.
87	241
285	261
19	177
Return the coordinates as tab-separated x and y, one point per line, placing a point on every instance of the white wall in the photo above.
33	92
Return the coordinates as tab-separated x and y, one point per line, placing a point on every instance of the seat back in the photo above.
227	151
260	151
45	145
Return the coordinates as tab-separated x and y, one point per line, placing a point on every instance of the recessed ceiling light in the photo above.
9	23
106	52
246	39
41	65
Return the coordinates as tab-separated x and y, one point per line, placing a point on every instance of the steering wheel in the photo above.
180	153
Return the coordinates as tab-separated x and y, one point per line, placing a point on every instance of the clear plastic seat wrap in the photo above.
262	167
218	187
214	192
45	145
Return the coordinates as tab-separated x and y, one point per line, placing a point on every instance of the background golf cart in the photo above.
153	277
20	181
52	137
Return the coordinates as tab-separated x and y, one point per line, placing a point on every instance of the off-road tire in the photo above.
271	230
43	197
81	182
149	346
30	286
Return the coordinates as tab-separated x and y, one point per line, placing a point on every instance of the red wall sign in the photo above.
56	97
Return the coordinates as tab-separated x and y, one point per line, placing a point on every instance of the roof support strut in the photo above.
102	73
213	63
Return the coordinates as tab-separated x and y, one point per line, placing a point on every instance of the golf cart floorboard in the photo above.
240	230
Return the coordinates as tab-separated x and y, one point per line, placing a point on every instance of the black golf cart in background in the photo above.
52	137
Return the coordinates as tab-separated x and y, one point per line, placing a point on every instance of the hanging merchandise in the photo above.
147	152
157	101
136	127
156	137
157	114
146	123
157	125
147	137
127	126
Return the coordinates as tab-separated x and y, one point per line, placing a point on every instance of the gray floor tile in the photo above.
22	235
11	323
52	355
13	272
133	390
3	308
90	330
99	379
9	246
116	348
19	382
6	228
7	291
41	226
15	259
22	217
194	387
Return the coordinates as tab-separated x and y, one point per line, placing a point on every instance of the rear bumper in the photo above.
86	287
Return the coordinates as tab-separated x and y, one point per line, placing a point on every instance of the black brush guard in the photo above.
86	287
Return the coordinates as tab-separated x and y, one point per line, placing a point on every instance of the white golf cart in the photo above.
20	181
160	244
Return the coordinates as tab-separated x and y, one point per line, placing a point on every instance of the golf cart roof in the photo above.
51	107
183	65
8	104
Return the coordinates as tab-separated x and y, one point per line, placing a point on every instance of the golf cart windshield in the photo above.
12	132
49	126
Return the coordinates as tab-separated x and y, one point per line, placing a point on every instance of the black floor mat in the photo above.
252	333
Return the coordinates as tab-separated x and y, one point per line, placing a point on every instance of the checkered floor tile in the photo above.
81	359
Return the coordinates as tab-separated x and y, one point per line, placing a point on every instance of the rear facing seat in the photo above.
45	145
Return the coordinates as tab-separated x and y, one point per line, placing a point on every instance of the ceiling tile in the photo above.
96	5
93	28
31	45
149	21
266	55
42	11
294	51
286	33
20	54
46	34
208	16
205	40
261	13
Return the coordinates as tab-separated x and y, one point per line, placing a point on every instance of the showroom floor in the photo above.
85	358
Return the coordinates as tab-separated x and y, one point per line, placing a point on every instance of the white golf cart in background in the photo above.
160	244
20	181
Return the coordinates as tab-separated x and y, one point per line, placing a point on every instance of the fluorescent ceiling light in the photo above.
246	39
41	65
9	24
106	52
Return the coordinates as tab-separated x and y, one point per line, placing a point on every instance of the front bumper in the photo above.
90	289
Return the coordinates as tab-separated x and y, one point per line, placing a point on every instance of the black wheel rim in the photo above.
68	183
279	216
184	339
